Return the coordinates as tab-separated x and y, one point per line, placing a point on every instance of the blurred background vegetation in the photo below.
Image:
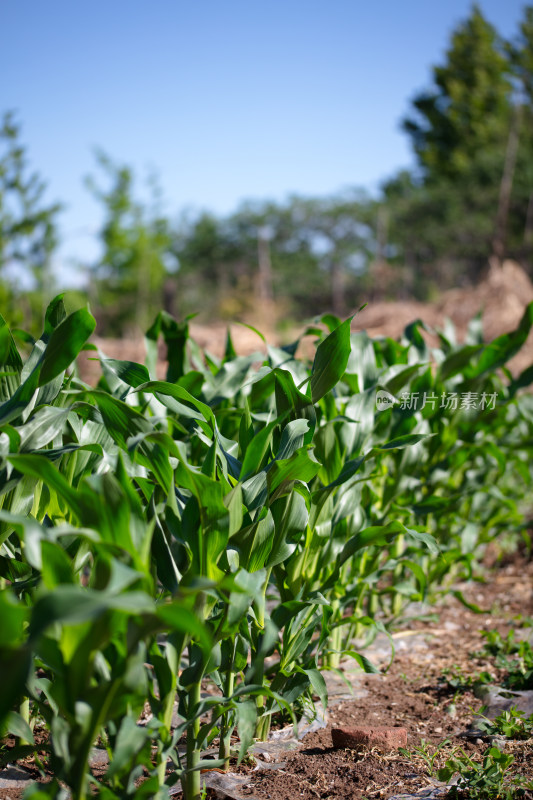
469	200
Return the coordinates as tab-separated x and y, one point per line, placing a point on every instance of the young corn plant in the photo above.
208	543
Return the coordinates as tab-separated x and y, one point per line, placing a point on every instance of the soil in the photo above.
413	694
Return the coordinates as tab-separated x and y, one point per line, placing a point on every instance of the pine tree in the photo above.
467	111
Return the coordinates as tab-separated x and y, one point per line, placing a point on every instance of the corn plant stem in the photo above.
24	711
372	603
71	469
263	722
36	498
356	628
226	725
167	721
192	783
80	767
333	659
81	762
335	640
168	708
397	551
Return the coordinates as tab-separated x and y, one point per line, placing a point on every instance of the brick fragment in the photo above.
384	738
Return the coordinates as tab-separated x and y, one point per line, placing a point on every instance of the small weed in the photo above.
511	723
497	645
424	752
523	622
515	657
456	679
481	781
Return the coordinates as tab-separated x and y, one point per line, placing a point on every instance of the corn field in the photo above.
182	560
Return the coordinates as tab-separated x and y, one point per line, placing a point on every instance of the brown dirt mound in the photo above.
501	297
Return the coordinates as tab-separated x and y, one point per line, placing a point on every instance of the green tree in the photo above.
28	226
468	198
212	262
520	52
127	281
318	247
468	109
306	254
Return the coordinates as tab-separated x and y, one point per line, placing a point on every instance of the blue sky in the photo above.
225	99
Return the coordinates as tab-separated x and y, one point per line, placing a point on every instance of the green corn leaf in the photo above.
14	616
255	543
18	726
301	466
419	574
127	371
401	377
416	340
18	402
403	441
54	315
290	517
163	390
255	491
328	451
56	566
175	335
16	664
425	538
10	363
330	361
39	467
205	524
233	501
246	721
292	438
258	447
362	360
72	605
229	352
121	421
319	685
176	616
42	428
524	379
130	739
458	360
502	349
363	661
66	341
471	606
331	321
9	355
290	400
376	534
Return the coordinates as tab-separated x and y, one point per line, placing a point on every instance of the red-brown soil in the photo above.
412	694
